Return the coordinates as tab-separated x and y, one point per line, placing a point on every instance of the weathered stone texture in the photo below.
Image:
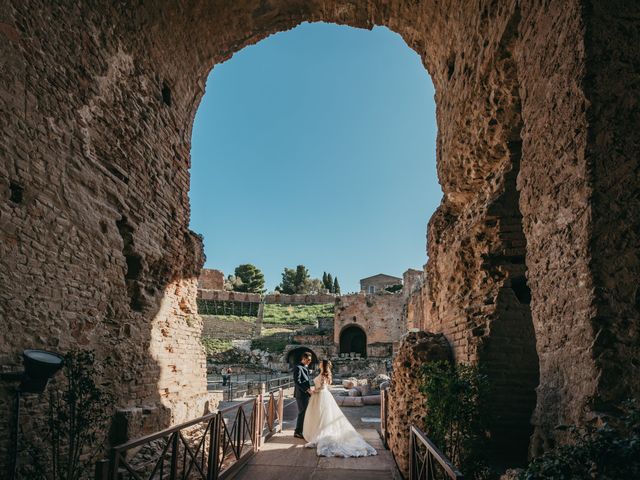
211	279
579	201
406	403
97	104
613	156
378	315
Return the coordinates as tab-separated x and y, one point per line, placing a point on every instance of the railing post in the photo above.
102	470
280	409
271	413
214	447
261	424
412	460
174	456
256	419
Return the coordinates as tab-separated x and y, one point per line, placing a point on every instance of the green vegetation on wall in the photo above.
273	340
215	346
222	307
296	314
456	421
606	452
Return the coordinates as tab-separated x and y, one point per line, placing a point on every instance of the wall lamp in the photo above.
39	367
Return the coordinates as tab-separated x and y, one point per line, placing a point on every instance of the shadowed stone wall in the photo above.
537	120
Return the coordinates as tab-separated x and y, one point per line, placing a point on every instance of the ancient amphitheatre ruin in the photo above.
534	267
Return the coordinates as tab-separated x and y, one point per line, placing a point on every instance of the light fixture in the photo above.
39	367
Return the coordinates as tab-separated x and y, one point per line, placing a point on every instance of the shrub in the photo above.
78	414
456	401
605	452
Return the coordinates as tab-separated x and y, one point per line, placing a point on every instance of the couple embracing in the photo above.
320	421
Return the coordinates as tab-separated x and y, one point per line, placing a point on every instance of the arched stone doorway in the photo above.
293	356
353	339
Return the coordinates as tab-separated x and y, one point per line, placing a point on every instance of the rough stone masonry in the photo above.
534	263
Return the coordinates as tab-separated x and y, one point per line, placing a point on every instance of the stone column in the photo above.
577	62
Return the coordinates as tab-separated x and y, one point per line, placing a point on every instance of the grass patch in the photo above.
231	318
273	340
215	346
296	314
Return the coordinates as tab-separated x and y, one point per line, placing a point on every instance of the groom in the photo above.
302	390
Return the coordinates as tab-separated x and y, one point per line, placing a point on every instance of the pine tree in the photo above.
301	278
329	283
324	280
336	286
251	279
287	285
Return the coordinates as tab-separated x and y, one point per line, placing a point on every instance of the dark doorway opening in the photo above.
294	356
353	340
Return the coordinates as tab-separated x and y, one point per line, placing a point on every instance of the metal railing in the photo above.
234	390
384	432
426	461
211	447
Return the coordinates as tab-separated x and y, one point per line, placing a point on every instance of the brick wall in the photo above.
533	98
211	279
379	315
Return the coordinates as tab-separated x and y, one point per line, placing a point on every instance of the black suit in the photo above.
302	382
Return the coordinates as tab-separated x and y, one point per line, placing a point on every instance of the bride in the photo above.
325	426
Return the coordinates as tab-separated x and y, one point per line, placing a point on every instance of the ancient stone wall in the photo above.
226	329
613	153
299	298
211	279
379	315
272	298
228	296
406	405
417	308
576	198
97	107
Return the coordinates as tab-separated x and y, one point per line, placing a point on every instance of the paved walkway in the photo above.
285	458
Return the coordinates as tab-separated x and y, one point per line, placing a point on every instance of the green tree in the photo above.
252	279
232	283
336	286
287	285
324	279
298	281
312	286
329	284
301	278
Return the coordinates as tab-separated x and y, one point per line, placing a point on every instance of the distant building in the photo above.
378	283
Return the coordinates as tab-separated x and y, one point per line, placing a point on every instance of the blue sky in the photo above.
316	146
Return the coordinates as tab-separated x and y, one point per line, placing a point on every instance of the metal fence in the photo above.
211	447
384	399
426	461
234	390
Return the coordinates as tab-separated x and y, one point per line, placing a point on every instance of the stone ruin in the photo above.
533	253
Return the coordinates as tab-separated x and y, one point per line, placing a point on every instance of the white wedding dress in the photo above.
327	429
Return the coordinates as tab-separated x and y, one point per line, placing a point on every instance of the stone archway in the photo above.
293	356
353	339
535	143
